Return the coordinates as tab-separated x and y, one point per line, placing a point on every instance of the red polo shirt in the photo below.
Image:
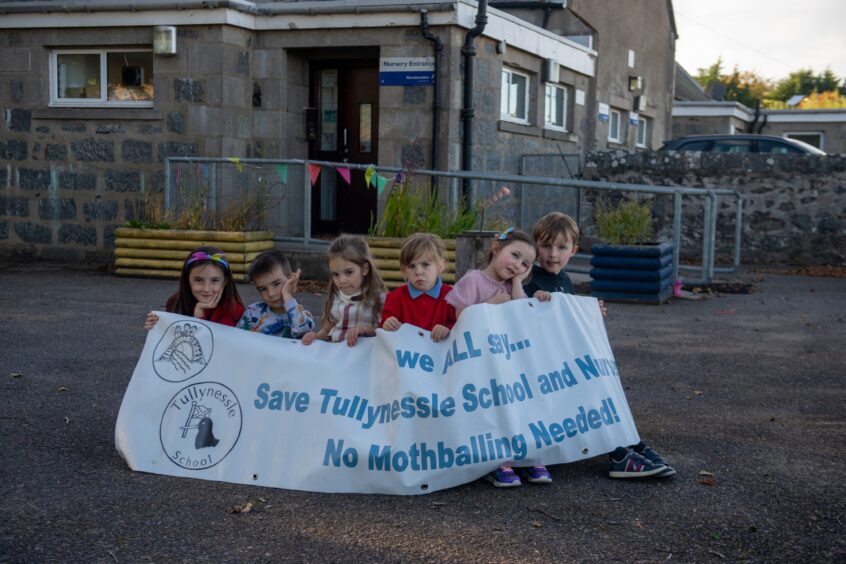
424	311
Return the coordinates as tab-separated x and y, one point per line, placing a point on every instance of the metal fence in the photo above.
219	184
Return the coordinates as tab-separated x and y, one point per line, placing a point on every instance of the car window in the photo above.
695	146
732	146
772	146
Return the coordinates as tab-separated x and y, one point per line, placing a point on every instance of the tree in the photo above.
804	82
745	87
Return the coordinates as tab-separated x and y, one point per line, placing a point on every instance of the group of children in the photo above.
518	266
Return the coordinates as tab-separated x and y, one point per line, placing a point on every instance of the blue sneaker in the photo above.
634	465
537	475
503	478
655	459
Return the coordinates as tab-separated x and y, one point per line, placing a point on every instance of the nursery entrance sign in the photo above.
523	382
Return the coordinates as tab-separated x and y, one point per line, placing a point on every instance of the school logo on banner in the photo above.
183	352
200	425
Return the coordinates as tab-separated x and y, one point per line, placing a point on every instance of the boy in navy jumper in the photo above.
421	302
556	236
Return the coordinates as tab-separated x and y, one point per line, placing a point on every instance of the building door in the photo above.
345	95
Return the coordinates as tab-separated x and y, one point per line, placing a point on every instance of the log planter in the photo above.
160	253
386	252
641	273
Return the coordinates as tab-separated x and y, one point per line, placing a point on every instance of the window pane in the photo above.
503	99
560	103
614	129
519	89
365	139
642	131
78	75
130	76
329	110
733	146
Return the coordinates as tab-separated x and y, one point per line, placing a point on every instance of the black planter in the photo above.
641	273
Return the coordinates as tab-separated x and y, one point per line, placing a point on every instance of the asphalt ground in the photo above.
746	387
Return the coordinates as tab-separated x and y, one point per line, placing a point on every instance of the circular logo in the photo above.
184	351
200	425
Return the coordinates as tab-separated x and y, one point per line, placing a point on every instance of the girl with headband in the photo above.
206	290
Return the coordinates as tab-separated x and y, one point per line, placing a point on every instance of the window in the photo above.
555	107
615	127
731	146
815	139
514	100
101	77
782	147
642	139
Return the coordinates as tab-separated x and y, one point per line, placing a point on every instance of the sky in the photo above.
771	37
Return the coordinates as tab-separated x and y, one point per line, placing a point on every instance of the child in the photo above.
278	313
557	236
421	301
206	290
509	264
356	292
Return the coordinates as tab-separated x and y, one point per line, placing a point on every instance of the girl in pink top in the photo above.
509	264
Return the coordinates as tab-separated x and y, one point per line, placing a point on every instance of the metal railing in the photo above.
290	195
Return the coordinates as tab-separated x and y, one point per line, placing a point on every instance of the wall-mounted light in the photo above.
164	40
501	47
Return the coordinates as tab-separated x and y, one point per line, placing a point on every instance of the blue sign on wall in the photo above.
407	71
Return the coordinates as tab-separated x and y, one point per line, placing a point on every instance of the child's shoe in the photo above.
655	459
537	475
626	463
503	477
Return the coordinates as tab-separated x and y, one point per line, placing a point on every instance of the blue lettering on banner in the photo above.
360	409
279	399
336	454
420	457
497	394
407	358
460	352
557	380
500	344
583	422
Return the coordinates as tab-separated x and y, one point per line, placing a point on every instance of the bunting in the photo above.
368	174
282	173
345	174
314	172
237	162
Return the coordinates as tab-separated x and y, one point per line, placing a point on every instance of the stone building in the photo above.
97	95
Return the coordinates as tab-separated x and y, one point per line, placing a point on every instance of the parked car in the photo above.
740	143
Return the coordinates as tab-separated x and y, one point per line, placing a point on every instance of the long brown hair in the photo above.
185	301
507	237
355	250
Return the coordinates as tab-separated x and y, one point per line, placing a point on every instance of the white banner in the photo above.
522	382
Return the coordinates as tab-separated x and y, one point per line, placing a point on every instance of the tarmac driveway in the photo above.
748	388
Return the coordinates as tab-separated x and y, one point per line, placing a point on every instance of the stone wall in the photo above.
795	209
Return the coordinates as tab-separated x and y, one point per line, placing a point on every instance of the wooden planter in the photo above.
160	253
632	273
386	252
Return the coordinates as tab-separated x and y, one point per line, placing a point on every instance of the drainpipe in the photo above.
437	48
467	112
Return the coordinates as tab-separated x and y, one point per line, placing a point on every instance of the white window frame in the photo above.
565	100
504	97
619	117
103	101
790	135
642	135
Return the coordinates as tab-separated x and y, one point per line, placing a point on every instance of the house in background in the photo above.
96	97
695	113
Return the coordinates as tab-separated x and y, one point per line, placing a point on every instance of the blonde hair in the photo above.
422	244
355	250
553	224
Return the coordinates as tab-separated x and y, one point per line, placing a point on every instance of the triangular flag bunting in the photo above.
381	182
368	175
314	172
237	162
345	174
282	173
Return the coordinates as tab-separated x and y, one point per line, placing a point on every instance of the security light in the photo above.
164	40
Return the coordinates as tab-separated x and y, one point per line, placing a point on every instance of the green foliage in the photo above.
804	81
412	209
745	87
628	223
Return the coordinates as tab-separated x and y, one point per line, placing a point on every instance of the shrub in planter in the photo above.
628	267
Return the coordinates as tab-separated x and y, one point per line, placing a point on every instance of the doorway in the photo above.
345	94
